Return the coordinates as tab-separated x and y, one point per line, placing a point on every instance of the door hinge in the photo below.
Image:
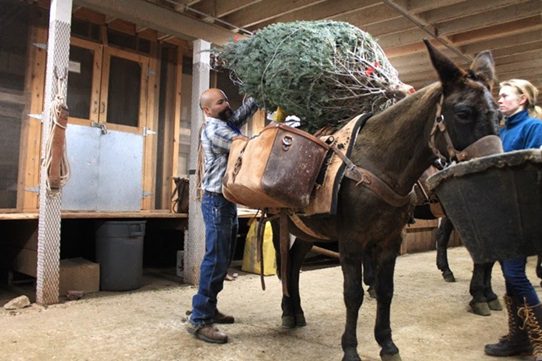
147	194
101	126
148	131
35	189
40	45
151	72
36	116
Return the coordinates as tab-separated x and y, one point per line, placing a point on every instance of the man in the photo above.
219	215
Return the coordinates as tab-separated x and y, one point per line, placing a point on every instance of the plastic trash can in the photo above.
119	251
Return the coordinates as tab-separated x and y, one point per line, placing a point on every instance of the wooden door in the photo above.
108	118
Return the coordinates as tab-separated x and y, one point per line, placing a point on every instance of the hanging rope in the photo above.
56	156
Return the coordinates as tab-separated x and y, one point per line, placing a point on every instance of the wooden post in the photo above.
58	49
194	243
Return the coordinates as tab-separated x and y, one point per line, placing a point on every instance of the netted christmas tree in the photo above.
325	72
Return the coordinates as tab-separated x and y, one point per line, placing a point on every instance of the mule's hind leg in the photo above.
369	274
478	303
353	298
292	313
384	294
442	239
492	299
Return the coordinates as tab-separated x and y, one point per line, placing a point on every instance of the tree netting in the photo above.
325	72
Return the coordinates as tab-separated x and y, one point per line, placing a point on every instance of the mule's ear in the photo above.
448	72
483	67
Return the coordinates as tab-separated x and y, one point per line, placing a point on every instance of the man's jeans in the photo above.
221	225
517	283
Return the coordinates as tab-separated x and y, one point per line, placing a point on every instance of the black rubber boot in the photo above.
517	340
532	323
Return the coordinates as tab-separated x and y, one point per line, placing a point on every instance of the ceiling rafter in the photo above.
267	10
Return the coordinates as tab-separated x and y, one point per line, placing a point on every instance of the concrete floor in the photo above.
430	320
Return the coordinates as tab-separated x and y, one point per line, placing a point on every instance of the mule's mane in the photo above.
394	143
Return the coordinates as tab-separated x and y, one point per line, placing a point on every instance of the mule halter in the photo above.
490	144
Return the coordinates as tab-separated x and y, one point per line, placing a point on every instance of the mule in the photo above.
484	300
393	145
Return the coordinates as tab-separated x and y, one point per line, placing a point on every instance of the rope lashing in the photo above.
56	156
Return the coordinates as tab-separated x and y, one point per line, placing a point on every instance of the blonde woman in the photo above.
522	130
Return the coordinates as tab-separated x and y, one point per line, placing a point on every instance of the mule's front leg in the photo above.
353	298
384	295
443	238
292	313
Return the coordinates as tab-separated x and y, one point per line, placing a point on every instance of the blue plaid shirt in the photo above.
216	138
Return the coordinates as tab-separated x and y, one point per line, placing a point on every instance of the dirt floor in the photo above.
430	320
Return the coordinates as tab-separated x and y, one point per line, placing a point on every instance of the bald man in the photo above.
219	215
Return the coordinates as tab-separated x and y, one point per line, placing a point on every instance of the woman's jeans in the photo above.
221	225
517	284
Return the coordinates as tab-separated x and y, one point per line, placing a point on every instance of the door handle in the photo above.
102	107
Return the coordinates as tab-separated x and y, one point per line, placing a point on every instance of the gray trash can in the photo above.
119	251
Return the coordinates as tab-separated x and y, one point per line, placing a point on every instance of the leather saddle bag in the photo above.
276	169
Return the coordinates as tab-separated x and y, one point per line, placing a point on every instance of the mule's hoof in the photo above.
288	322
372	292
448	276
351	356
388	357
480	308
495	305
300	320
389	351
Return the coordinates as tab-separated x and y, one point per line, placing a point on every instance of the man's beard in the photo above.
225	114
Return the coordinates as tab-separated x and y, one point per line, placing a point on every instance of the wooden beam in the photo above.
326	10
144	13
29	154
431	30
509	28
418	6
503	42
410	36
371	15
12	96
527	64
517	49
221	8
466	8
267	10
386	27
510	59
490	18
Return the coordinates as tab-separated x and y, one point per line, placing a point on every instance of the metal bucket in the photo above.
495	203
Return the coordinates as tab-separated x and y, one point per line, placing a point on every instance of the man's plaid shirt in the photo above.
216	138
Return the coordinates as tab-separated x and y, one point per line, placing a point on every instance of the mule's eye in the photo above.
463	114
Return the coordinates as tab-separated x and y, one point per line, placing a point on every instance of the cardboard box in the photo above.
79	274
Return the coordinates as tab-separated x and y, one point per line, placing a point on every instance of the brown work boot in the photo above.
516	342
207	333
222	318
532	322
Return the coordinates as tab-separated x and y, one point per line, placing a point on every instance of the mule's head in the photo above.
468	109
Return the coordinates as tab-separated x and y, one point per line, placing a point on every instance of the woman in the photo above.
522	130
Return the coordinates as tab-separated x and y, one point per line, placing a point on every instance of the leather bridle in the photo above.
490	144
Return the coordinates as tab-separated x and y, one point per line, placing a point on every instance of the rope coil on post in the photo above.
56	156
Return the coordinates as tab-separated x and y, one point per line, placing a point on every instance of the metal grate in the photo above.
47	285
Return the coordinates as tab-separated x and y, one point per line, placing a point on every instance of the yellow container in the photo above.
250	255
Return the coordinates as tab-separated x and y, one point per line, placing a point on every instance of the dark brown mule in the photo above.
394	146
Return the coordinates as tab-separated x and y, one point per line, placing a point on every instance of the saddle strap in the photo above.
378	186
284	248
260	230
305	229
369	180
